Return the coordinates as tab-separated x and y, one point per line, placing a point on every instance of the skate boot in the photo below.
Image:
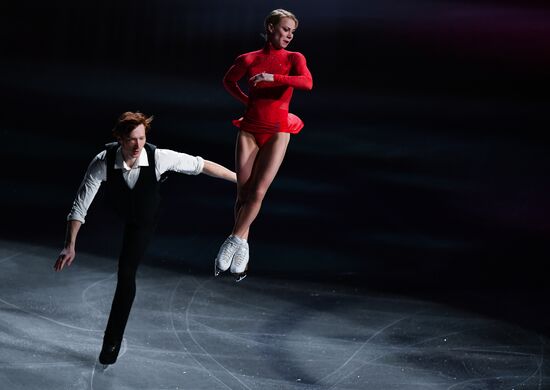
239	266
109	353
225	254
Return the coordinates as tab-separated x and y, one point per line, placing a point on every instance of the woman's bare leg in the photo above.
263	170
246	151
256	168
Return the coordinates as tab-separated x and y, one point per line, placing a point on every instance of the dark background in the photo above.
422	168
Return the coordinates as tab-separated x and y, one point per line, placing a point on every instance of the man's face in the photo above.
133	143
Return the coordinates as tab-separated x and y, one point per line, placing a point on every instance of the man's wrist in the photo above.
70	245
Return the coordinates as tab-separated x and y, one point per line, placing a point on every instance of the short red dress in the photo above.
268	102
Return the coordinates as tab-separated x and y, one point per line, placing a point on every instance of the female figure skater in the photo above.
272	73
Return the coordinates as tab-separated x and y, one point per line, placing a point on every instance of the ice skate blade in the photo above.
239	277
100	367
217	271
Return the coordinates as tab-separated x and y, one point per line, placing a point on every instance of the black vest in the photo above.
139	205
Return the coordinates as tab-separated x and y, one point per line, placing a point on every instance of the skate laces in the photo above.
241	254
229	247
226	253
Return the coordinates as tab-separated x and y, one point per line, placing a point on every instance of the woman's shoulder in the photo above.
296	55
249	56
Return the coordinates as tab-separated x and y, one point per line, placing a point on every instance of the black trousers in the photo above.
134	245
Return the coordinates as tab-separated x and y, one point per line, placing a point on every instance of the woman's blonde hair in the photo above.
275	16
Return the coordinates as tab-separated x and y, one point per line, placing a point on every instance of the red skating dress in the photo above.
267	106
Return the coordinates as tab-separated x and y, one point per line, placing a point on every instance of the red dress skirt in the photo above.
295	125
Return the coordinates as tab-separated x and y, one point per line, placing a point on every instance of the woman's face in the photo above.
282	33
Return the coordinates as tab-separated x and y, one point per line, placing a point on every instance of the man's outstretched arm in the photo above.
216	170
68	253
95	174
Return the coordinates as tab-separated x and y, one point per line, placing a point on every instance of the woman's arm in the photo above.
231	78
301	78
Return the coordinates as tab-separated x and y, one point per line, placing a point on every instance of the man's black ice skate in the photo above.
109	353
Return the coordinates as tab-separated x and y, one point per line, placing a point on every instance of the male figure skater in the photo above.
131	170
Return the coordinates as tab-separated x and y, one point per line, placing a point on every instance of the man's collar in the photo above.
142	160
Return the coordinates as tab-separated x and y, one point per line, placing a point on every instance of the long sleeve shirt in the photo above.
165	160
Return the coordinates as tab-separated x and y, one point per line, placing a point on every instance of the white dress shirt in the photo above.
165	160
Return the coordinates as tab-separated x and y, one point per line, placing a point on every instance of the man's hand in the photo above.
68	253
65	258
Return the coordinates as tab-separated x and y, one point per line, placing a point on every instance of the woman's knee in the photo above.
244	192
250	192
257	195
